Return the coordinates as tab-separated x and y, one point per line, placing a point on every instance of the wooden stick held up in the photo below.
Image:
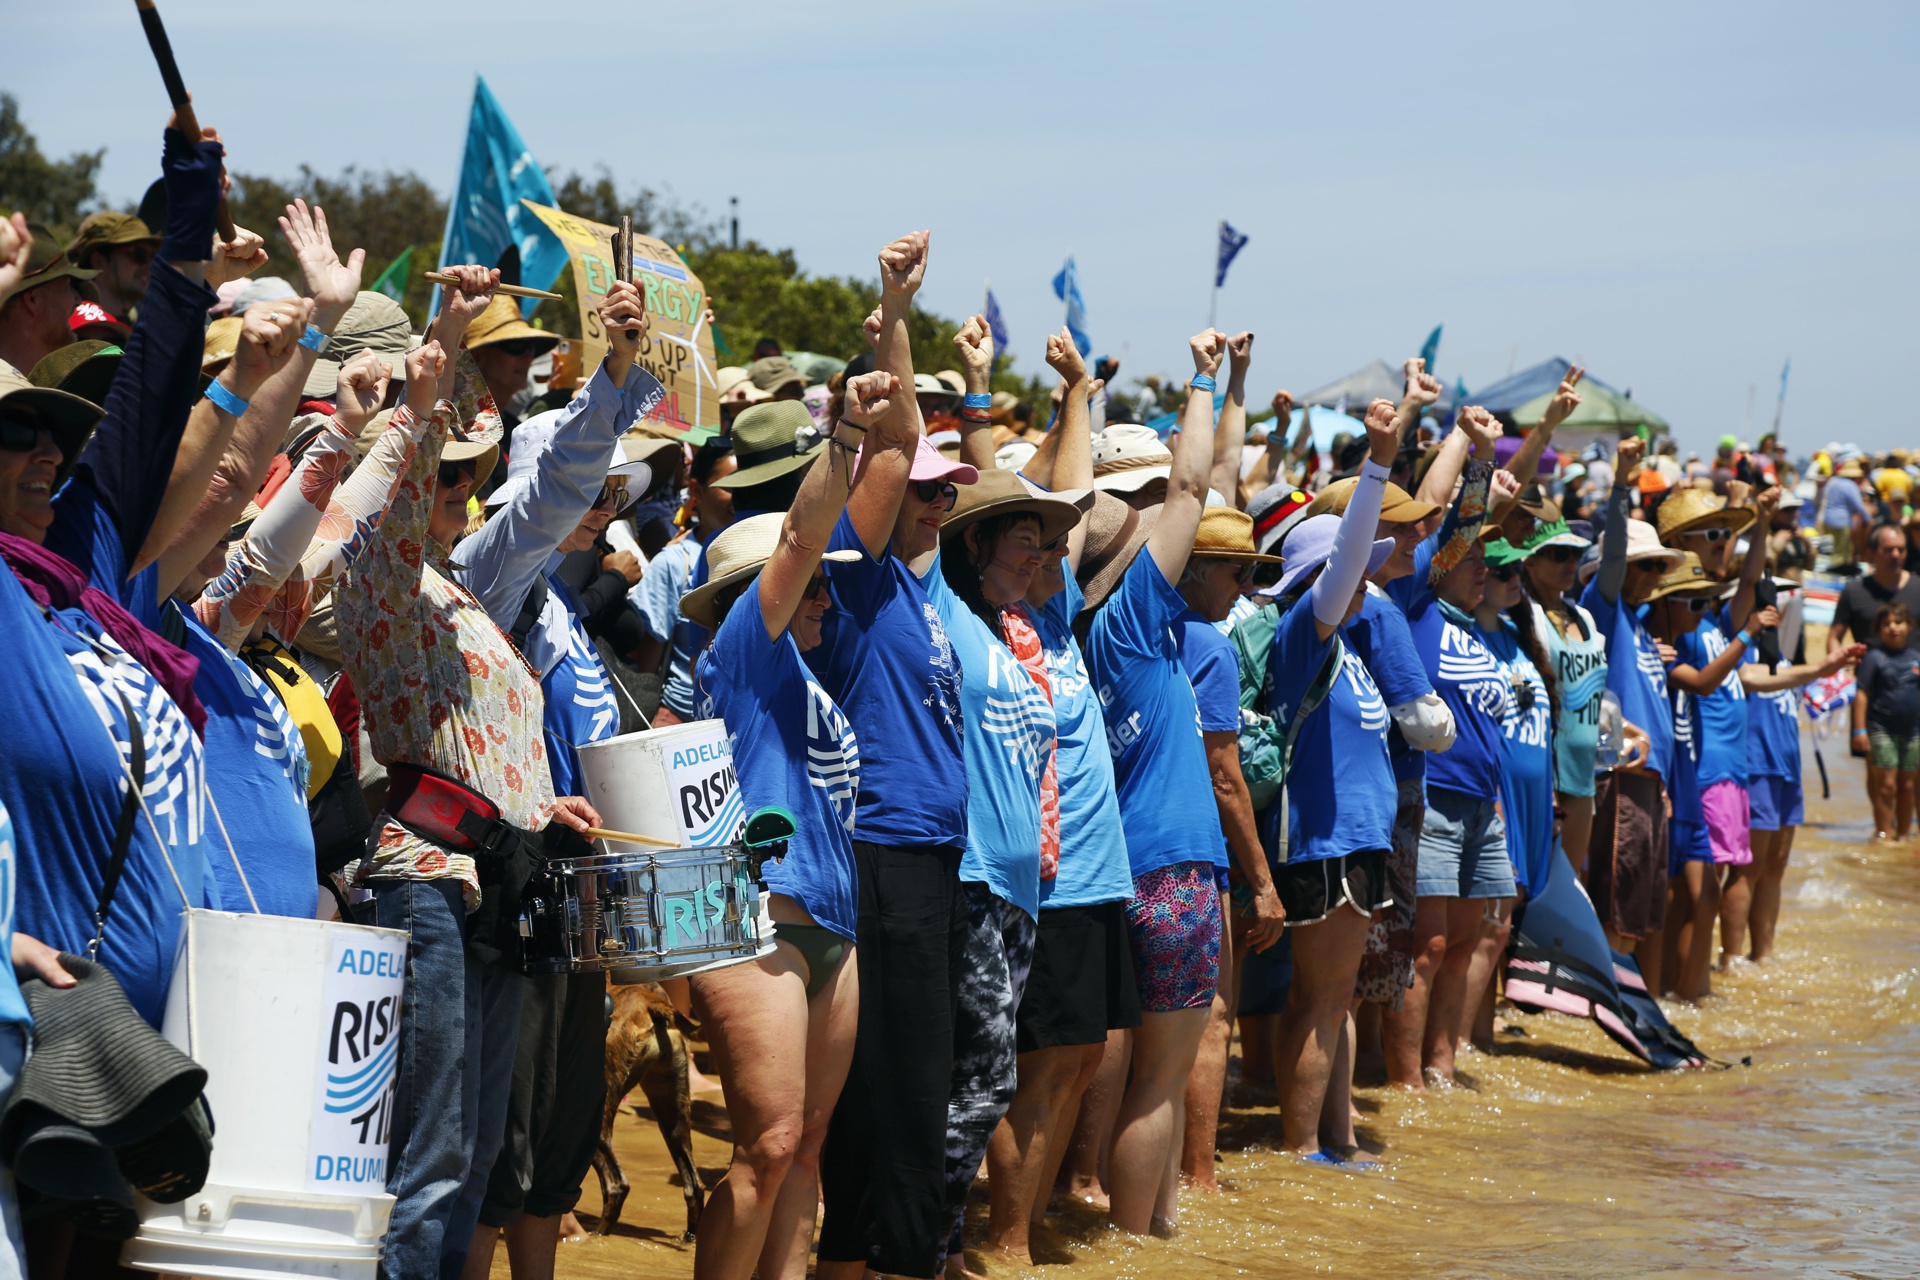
183	115
510	290
623	260
629	837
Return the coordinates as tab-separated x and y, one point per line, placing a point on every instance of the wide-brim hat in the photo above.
1002	493
927	384
221	342
1115	534
84	369
953	379
47	261
484	457
770	440
502	322
1644	544
69	419
1849	470
1226	533
1310	545
736	387
1396	504
1690	510
373	323
1126	456
1691	577
1534	501
741	550
108	230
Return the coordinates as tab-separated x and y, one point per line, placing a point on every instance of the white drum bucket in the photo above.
674	784
298	1025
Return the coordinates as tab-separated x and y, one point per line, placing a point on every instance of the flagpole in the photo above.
986	296
1780	405
1213	303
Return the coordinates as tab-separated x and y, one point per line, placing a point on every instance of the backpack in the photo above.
1266	749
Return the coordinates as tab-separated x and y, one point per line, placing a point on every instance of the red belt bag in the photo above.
449	813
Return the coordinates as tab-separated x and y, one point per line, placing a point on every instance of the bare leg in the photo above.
1208	1083
1694	981
1477	1023
1092	1144
1336	1113
1091	1056
1765	919
1166	1204
1902	805
1017	1152
1326	961
1404	1030
1880	791
1163	1052
1736	908
1448	1004
1576	829
1256	1049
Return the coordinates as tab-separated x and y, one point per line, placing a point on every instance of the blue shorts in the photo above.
1687	842
1463	848
1774	803
1265	977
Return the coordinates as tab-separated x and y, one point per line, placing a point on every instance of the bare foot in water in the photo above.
570	1228
1006	1256
957	1268
1091	1194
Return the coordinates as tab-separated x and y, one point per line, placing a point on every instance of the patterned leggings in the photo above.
999	954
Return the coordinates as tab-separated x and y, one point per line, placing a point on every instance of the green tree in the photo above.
56	192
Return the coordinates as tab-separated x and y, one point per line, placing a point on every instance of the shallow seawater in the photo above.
1568	1159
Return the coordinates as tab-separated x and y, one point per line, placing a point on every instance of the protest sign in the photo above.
678	345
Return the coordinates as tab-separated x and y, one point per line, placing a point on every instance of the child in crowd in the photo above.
1886	719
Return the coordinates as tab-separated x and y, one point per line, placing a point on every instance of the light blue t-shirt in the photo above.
1722	714
13	1008
1635	673
1153	724
1008	738
1093	845
1214	672
885	658
1341	795
792	748
656	596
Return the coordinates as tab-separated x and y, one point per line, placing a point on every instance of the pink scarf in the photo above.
1017	625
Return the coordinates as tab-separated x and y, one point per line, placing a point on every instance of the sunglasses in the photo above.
1560	554
1506	572
818	588
452	473
931	490
612	494
519	346
1711	535
140	254
17	436
1692	604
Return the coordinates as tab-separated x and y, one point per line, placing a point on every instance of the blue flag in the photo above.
1430	349
1231	243
485	217
996	324
1066	287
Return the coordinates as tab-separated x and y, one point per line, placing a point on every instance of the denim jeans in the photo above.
447	1063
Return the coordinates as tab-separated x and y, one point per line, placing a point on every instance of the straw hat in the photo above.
1396	504
1690	510
1851	470
1127	455
500	322
1002	493
1227	534
222	340
741	551
1690	576
770	440
1115	534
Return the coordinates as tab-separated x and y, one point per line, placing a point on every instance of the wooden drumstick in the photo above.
511	290
629	837
183	116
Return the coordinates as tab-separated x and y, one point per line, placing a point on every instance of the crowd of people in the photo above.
1098	745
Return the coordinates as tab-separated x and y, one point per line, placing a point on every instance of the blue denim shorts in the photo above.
1463	848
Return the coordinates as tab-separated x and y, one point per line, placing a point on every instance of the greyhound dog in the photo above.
645	1049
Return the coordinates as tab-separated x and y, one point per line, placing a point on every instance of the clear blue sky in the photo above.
1680	195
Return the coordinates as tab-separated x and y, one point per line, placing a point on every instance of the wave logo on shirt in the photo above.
1018	713
176	785
1526	726
943	695
1646	656
1583	678
1785	701
1469	665
833	754
1373	707
592	686
1683	724
1716	643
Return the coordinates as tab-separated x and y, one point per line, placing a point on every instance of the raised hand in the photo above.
872	326
1383	431
461	304
903	263
332	283
1565	399
974	342
1626	460
1208	347
1239	353
1423	388
1283	408
361	391
1737	493
425	364
1482	429
234	259
869	396
268	338
16	242
623	318
1064	358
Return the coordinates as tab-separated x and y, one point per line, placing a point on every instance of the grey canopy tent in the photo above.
1376	381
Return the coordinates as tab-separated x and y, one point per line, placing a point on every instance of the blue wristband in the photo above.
1744	638
313	339
225	399
1201	382
977	400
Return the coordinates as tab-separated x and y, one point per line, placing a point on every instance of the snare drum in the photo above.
645	917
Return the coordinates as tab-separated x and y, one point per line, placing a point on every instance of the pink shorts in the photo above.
1725	806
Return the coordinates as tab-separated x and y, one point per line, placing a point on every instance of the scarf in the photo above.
1017	625
57	584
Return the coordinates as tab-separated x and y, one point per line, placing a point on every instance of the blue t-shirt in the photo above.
61	717
257	774
1720	716
1214	673
792	748
1009	735
1773	735
1683	784
1474	688
580	702
1341	795
1093	845
1153	723
1526	759
1380	636
656	596
1635	673
887	661
13	1008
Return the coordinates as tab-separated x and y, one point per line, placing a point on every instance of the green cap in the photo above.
108	230
1500	553
84	369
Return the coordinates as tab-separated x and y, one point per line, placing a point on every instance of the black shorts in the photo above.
1312	891
1081	985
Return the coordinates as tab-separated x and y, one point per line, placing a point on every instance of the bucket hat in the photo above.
1115	534
770	440
65	416
108	230
261	289
83	369
770	373
742	550
47	262
1127	455
1310	545
373	323
222	340
1002	493
1689	510
735	387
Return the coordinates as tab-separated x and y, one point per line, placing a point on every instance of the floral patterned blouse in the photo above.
440	685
